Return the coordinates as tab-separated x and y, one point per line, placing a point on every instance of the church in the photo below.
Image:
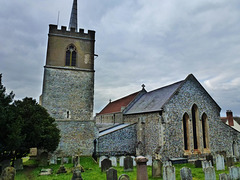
177	120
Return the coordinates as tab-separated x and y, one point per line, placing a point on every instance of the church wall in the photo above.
109	118
68	93
75	136
220	136
118	142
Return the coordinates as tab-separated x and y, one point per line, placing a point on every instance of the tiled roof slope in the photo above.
154	100
115	106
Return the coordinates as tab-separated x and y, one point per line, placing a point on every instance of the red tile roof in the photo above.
116	106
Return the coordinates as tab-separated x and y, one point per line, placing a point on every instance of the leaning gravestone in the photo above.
186	173
121	161
8	173
234	173
169	173
106	164
229	161
114	160
18	164
156	168
210	173
101	159
128	164
220	162
111	174
124	177
224	176
43	161
198	163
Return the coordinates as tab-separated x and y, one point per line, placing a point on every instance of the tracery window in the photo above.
71	55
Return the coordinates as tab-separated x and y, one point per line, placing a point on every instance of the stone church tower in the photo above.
68	85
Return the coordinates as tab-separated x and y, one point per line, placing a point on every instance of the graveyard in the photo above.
93	171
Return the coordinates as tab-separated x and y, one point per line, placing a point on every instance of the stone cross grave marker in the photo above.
229	161
111	174
234	172
157	168
121	161
224	176
101	159
128	163
106	164
169	173
114	161
220	162
186	173
210	173
124	177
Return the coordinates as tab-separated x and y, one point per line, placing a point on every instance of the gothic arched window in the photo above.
186	132
71	55
205	131
195	122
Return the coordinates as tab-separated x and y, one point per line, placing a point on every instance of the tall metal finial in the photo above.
73	19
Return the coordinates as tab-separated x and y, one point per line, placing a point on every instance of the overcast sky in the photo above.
151	42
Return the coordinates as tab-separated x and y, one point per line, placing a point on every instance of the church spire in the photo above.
73	19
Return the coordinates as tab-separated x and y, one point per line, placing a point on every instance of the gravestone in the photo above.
114	160
169	173
66	160
229	161
106	164
8	173
186	173
224	176
210	158
121	161
61	169
234	173
220	162
149	163
167	163
43	160
124	177
141	168
45	172
101	159
134	162
76	161
206	164
33	153
53	159
18	164
157	168
128	163
198	163
77	173
111	174
210	173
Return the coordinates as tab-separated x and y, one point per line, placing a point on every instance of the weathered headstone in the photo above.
224	176
124	177
33	153
167	163
111	174
114	160
106	164
45	172
234	173
121	161
43	161
229	161
149	163
210	158
128	163
53	159
18	164
77	173
101	159
206	164
220	162
186	173
198	163
210	173
169	173
65	160
134	162
8	173
156	168
141	168
76	161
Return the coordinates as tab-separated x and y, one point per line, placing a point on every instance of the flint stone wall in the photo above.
122	140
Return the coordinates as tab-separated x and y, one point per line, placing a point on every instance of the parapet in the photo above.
72	33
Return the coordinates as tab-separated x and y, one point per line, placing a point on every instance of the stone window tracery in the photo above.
71	55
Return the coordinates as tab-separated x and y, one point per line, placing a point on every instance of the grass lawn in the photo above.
93	172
